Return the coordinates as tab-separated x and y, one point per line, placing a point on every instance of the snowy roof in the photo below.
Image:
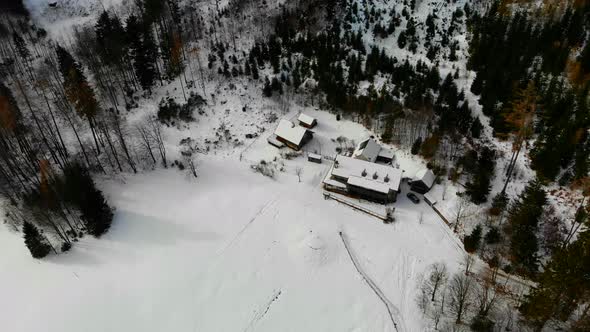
369	183
348	167
306	119
426	176
272	139
290	132
314	156
335	183
367	150
386	153
428	197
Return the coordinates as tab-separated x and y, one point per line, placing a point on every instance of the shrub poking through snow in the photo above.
265	168
169	110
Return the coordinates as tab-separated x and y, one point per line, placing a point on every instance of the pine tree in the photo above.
479	186
524	216
82	192
563	286
36	243
416	146
78	90
472	241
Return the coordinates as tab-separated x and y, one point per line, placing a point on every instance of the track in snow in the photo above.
393	311
260	314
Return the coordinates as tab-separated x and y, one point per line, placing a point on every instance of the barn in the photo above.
423	181
291	135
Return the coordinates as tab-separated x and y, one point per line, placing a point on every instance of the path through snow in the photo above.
393	311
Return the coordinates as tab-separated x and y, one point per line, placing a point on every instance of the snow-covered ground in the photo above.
229	251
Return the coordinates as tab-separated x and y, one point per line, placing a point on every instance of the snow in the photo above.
230	251
373	185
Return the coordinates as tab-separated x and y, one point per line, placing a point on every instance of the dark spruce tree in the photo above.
524	217
15	7
82	192
35	241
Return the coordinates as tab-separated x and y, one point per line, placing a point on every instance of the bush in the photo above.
264	168
170	110
66	246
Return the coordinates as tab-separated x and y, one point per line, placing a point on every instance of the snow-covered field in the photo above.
229	251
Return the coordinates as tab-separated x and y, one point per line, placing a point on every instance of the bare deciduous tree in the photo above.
299	171
486	297
468	261
437	278
462	211
460	290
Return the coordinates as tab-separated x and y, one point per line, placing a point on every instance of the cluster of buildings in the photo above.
367	173
293	135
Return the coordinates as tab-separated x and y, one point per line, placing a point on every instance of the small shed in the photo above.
307	121
385	156
314	158
423	181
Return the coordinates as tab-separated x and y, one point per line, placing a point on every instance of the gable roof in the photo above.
367	150
306	119
290	132
350	167
426	176
363	182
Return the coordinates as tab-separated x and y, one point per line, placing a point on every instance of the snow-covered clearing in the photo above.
229	251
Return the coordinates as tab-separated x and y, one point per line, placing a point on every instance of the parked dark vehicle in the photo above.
413	198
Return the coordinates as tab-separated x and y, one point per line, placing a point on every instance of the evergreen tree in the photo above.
36	243
471	242
563	286
78	90
416	146
82	192
524	216
15	7
143	52
479	186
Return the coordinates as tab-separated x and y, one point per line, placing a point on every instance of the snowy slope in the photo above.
230	251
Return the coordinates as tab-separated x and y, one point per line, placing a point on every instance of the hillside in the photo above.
135	162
